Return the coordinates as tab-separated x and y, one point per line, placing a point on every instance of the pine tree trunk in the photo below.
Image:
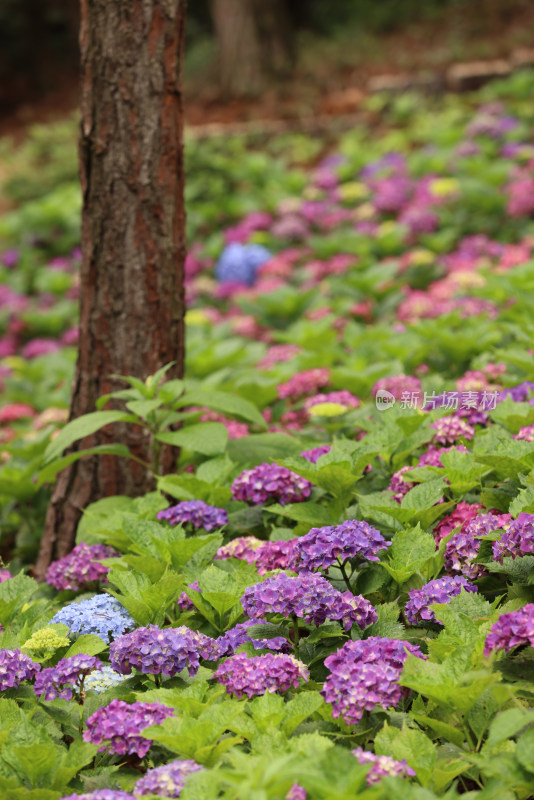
255	43
133	241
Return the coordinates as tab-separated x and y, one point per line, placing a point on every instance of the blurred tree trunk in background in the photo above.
256	43
131	170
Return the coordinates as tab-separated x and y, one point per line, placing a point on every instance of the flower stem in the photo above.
296	633
345	576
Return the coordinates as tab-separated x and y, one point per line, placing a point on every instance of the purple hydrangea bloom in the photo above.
463	547
101	794
256	675
80	567
244	548
450	429
16	667
399	485
521	393
364	674
296	792
440	590
511	630
315	453
382	766
196	513
68	674
183	602
228	643
270	483
517	540
281	554
158	651
168	780
322	547
117	727
309	597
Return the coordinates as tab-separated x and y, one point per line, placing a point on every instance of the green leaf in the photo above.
410	744
80	428
523	502
261	447
299	709
409	552
508	724
224	402
208	438
525	750
313	513
14	594
49	472
88	644
143	408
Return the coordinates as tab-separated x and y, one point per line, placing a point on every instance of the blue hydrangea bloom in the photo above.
239	263
101	615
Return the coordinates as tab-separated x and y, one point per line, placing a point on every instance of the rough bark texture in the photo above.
255	43
131	169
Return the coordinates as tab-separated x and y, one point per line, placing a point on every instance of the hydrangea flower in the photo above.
158	651
460	516
382	766
399	485
239	263
228	643
278	354
101	615
511	630
168	780
102	679
322	547
364	674
15	667
281	554
463	547
432	457
315	453
184	603
244	548
304	383
450	429
117	726
80	567
270	483
296	792
343	398
440	590
43	641
196	513
525	434
5	575
252	676
68	675
309	597
101	794
517	540
399	385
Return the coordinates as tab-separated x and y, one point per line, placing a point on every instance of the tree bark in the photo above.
133	240
255	43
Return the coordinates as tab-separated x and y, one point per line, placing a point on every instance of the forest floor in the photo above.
332	74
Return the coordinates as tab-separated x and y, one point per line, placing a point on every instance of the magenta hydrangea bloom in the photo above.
168	780
343	397
278	354
101	794
228	643
117	727
304	383
309	597
399	485
5	575
16	667
276	555
517	540
525	434
196	513
315	453
183	602
432	457
322	547
364	674
80	567
244	548
440	590
463	547
450	429
399	385
270	483
159	651
460	516
253	676
297	792
382	766
66	678
511	630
